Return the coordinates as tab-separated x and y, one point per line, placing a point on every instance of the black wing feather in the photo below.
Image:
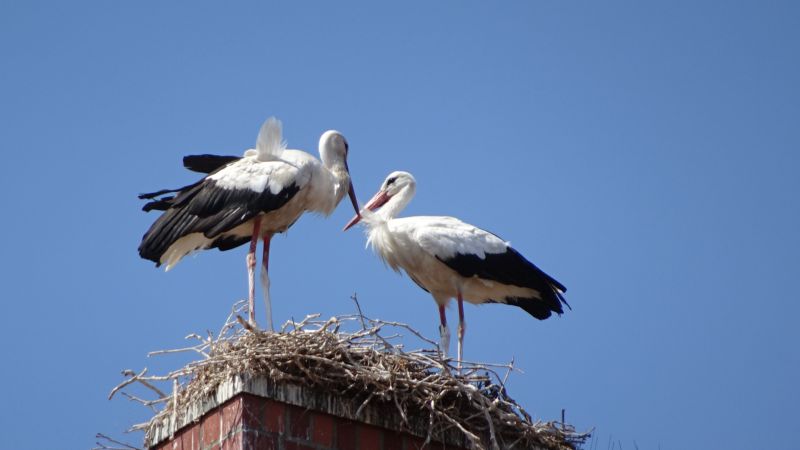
510	267
207	208
164	203
207	163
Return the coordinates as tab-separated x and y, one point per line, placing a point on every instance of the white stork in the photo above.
244	198
452	259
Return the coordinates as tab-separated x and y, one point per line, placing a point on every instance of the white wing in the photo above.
444	237
249	173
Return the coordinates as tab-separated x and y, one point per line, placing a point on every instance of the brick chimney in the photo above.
256	414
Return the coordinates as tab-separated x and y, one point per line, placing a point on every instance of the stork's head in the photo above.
333	150
398	188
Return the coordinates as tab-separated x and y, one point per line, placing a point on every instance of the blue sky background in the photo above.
645	155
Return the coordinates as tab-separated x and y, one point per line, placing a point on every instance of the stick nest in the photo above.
366	364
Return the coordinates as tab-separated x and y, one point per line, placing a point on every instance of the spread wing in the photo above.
222	201
197	163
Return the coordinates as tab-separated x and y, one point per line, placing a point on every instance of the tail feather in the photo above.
168	228
269	142
541	308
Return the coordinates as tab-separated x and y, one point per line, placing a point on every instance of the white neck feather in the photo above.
397	203
330	187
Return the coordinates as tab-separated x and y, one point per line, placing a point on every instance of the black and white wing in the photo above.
207	164
220	202
473	252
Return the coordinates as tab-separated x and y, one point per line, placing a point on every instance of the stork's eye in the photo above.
390	181
346	147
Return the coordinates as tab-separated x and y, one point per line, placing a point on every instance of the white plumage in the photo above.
453	259
243	198
270	143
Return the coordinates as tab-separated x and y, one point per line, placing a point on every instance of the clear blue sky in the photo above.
647	156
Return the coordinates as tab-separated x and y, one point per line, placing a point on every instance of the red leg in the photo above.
444	332
265	255
251	268
265	278
461	328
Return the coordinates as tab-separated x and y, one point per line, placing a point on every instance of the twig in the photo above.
148	403
103	437
354	297
247	326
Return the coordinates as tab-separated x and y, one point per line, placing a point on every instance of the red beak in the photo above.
374	203
351	192
353	200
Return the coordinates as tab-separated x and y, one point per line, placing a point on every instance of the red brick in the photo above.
274	416
296	446
190	438
171	444
210	430
252	417
299	422
323	429
369	437
232	416
233	442
259	441
392	440
346	435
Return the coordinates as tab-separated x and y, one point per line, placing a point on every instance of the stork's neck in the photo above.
341	181
335	164
397	203
327	188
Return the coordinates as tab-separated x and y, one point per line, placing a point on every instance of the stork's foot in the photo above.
251	321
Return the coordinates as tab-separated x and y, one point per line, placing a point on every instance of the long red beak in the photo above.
353	200
374	203
352	193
